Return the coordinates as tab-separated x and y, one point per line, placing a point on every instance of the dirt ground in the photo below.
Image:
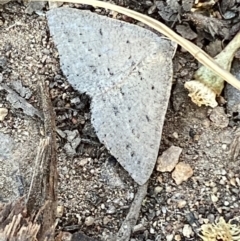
94	191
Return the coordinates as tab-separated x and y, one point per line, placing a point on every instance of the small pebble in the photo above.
196	137
233	182
226	203
157	189
223	172
138	228
169	159
111	210
206	123
212	184
182	172
219	117
169	237
64	96
238	181
177	237
75	101
152	231
175	135
160	179
164	210
3	113
211	218
187	230
89	221
84	161
59	211
106	220
214	198
214	190
224	147
181	203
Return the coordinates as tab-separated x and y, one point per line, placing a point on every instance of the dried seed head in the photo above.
221	231
201	94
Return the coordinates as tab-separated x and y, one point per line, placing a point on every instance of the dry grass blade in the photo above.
198	53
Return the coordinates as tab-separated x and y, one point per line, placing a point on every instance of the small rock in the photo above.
157	189
160	179
219	117
152	231
210	218
224	147
74	121
181	203
73	141
168	160
84	161
177	237
233	182
3	113
139	227
3	62
64	96
69	149
196	137
89	221
106	220
36	7
214	190
206	123
222	181
75	101
164	210
226	203
71	135
59	211
214	198
223	172
175	135
64	236
169	237
61	133
182	172
186	31
187	230
238	181
111	209
54	4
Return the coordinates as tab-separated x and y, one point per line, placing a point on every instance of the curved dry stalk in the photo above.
197	53
206	84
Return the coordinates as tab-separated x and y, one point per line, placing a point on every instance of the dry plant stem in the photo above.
125	230
224	59
206	84
199	54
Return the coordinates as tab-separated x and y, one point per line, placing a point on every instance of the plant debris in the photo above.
207	85
221	231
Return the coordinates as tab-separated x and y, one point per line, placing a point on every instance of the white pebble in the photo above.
226	203
187	230
89	221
